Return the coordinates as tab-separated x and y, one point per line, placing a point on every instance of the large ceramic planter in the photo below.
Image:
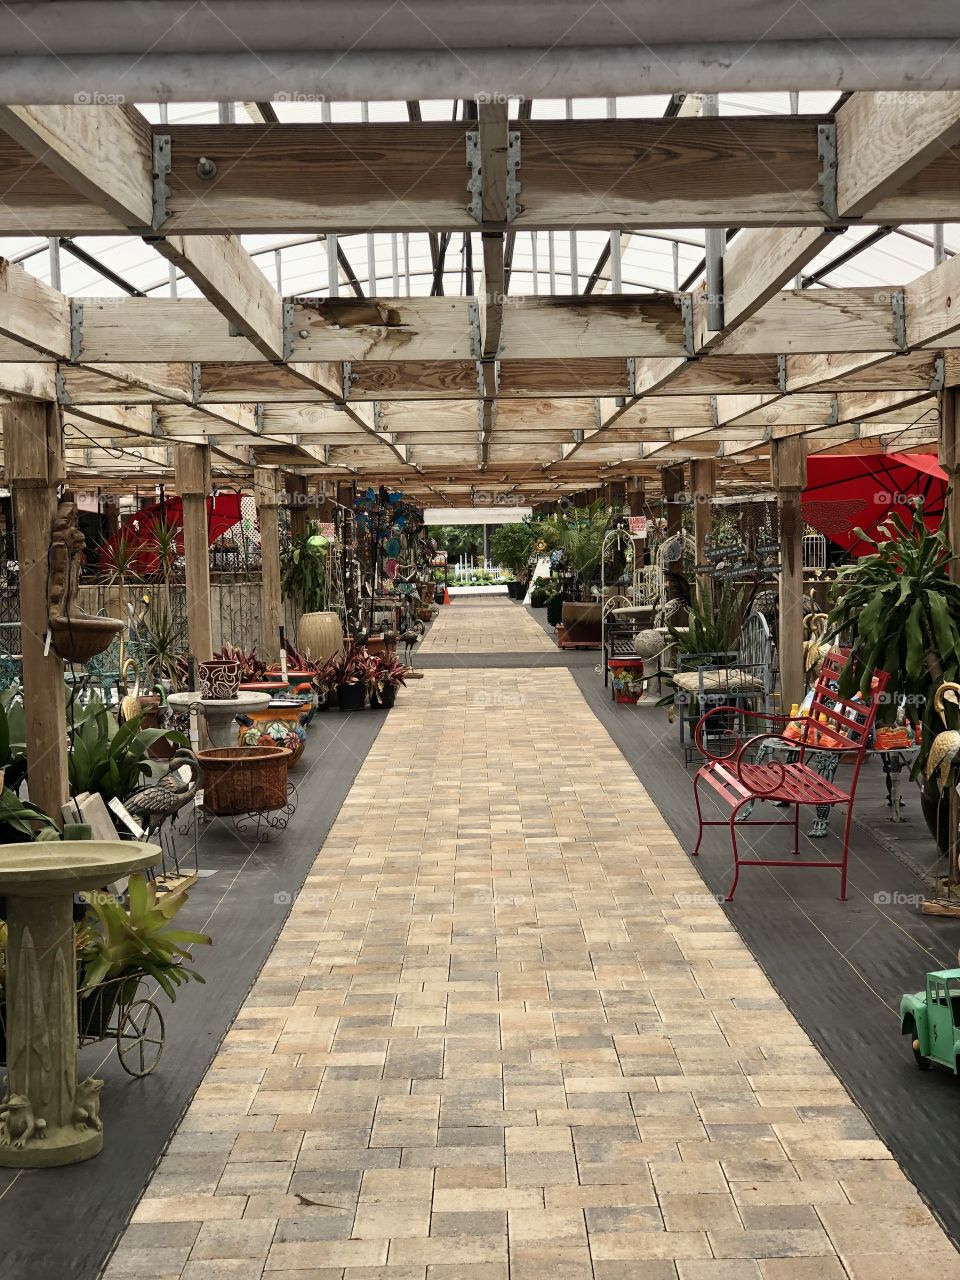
300	685
219	678
281	725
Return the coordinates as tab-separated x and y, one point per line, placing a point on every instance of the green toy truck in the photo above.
932	1019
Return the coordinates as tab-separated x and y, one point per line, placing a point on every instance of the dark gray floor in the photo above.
60	1223
841	967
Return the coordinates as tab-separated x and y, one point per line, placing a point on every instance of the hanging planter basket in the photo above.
81	636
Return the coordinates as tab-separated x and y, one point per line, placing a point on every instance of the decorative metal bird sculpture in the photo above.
409	639
946	745
163	799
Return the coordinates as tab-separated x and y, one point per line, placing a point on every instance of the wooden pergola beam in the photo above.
689	171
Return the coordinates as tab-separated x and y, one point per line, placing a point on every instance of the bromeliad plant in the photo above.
900	612
114	941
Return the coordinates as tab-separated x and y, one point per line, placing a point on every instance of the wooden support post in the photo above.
950	461
267	496
636	497
702	489
192	477
671	479
33	460
295	488
617	494
788	471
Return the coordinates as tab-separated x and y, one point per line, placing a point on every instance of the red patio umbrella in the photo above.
860	490
223	512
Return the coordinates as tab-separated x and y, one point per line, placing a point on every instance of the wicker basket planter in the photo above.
244	779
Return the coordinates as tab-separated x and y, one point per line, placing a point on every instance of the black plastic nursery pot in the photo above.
385	699
352	697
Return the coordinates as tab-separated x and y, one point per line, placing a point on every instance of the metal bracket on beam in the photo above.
287	330
827	177
686	313
76	330
258	418
347	377
473	318
488	362
196	373
898	305
713	244
162	160
834	416
475	181
63	395
715	411
631	375
597	416
577	435
514	186
939	374
782	374
155	428
377	416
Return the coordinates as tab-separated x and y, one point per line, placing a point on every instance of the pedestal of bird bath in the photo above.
40	1123
219	713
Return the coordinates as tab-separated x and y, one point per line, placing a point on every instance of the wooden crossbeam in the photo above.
894	164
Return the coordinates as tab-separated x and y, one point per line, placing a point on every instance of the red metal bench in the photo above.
737	778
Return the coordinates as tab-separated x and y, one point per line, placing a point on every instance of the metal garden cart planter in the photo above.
117	1009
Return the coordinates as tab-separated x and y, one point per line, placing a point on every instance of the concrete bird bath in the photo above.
42	1123
219	713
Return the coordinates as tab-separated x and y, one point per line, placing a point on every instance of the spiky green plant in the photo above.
900	611
715	618
116	941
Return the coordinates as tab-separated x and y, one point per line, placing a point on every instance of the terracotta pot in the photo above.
219	678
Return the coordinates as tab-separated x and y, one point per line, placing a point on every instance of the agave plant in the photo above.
115	941
900	611
715	618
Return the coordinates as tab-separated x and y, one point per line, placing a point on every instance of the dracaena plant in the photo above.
900	612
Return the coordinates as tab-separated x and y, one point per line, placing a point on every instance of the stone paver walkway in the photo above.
488	625
507	1035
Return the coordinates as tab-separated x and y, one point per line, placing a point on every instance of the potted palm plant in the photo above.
900	611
